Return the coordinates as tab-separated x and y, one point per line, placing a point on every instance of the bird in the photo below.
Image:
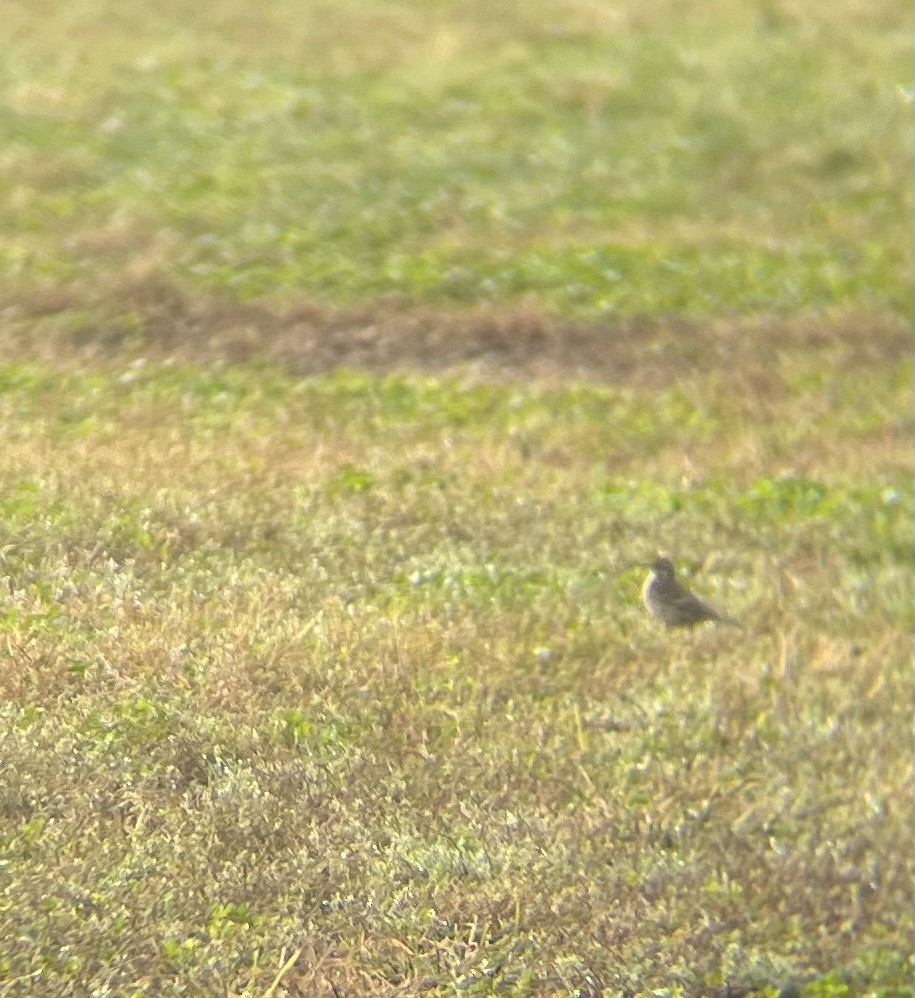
671	603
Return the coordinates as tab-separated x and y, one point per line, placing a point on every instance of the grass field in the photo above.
349	357
730	158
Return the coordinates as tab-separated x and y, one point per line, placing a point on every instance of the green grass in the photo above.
343	682
350	353
742	159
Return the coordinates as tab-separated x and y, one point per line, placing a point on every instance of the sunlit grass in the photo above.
334	681
348	676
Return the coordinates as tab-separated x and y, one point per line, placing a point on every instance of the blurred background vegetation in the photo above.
737	157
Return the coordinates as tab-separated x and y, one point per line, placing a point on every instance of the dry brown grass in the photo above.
151	317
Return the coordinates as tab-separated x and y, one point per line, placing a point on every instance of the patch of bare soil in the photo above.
156	319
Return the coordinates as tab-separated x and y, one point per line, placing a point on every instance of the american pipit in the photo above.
671	603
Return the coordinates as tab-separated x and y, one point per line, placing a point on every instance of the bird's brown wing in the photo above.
690	607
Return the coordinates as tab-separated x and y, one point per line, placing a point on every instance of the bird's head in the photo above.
662	567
